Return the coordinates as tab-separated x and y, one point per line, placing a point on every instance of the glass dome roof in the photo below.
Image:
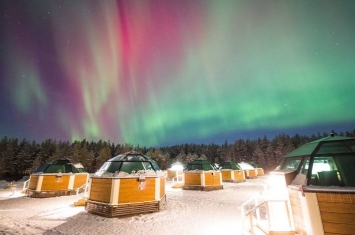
59	166
230	165
200	164
130	162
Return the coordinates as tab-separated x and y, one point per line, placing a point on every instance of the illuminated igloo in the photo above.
249	171
318	177
130	183
231	172
56	178
201	174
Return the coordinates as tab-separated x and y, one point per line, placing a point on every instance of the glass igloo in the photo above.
130	183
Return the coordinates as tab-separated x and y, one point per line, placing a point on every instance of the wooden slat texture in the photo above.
80	180
297	212
300	229
337	212
337	207
293	193
54	182
336	197
212	178
129	190
252	173
122	210
50	193
338	228
338	218
192	178
298	219
239	175
203	188
226	175
260	171
33	182
100	189
162	186
295	201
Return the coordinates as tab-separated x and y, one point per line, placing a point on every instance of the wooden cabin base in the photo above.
234	181
202	188
125	209
54	193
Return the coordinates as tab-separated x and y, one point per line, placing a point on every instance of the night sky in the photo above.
158	73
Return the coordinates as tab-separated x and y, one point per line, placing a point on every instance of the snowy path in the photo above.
187	212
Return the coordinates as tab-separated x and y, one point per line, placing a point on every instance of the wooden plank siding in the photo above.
54	182
239	175
337	212
297	211
251	173
227	175
260	171
33	182
233	176
129	190
100	189
162	187
192	178
80	179
212	179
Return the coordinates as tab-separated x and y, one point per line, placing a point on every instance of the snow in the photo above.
186	212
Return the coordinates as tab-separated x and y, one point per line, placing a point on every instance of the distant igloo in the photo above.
201	174
56	178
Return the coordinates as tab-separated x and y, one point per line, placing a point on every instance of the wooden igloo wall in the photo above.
55	184
202	180
229	175
119	196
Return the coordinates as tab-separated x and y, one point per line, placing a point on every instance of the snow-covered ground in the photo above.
186	212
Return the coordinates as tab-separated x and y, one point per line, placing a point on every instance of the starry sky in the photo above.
160	72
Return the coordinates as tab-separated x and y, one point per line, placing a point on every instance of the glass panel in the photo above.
336	147
55	169
68	169
346	165
326	171
291	163
192	167
129	167
305	166
42	168
207	167
301	177
147	166
113	167
103	168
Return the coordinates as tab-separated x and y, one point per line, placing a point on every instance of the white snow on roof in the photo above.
245	166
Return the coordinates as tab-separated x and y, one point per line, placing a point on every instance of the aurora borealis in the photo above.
166	72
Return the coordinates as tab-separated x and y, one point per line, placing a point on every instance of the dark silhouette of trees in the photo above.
19	158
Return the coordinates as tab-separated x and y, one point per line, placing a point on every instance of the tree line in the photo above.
23	157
